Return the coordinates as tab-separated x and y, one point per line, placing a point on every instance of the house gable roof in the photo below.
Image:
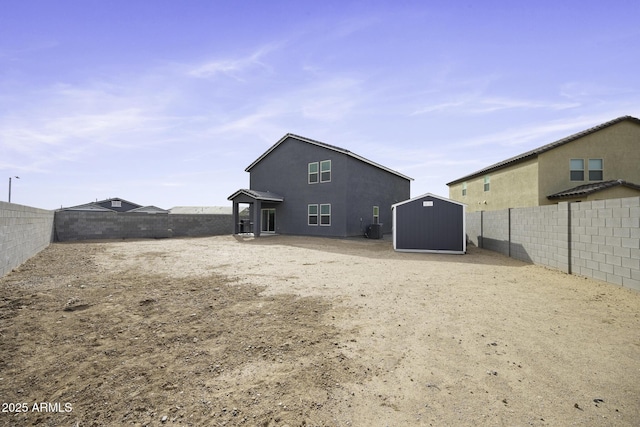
585	190
87	207
100	202
103	206
537	151
328	147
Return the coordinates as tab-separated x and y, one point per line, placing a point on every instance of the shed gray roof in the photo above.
584	190
535	152
328	147
258	195
427	195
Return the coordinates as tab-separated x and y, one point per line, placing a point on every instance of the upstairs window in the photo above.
576	169
325	214
487	183
313	173
312	211
596	171
325	171
464	188
116	204
376	214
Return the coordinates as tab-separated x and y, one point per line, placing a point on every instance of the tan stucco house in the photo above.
602	162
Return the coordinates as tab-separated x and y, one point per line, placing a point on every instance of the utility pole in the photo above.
16	177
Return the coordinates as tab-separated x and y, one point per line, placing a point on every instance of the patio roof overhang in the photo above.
255	198
263	196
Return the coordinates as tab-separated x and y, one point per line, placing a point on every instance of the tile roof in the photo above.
535	152
327	146
584	190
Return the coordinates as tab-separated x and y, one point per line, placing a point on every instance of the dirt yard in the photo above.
292	331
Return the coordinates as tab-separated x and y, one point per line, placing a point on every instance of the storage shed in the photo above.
429	223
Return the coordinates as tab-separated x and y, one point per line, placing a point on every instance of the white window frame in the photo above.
316	173
326	215
601	170
116	203
464	188
376	214
322	172
310	215
572	170
487	183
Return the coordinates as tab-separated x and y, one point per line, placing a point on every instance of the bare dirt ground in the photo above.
292	331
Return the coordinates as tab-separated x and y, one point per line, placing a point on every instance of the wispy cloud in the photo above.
233	67
585	91
349	26
15	53
329	100
477	104
542	132
62	122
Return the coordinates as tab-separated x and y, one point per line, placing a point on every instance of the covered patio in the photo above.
261	208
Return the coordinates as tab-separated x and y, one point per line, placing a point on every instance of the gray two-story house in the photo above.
301	186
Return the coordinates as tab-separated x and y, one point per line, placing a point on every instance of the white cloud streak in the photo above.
233	67
540	133
475	104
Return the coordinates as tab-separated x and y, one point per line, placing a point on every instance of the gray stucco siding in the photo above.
370	186
285	171
355	187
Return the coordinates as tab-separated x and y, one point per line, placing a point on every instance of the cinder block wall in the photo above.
539	235
24	231
605	240
495	231
82	225
599	239
196	225
473	224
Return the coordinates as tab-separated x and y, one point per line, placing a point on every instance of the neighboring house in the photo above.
599	163
115	205
305	187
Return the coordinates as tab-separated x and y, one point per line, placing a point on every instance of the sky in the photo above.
166	103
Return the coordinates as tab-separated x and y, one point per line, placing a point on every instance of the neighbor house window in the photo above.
313	173
464	188
376	214
325	214
487	183
577	170
325	171
595	170
116	204
312	213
